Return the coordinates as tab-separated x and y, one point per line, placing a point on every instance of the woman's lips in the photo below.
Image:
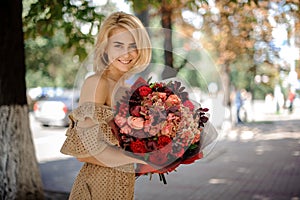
125	61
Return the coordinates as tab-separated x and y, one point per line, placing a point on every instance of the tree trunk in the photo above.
225	76
19	175
166	22
226	84
143	16
19	171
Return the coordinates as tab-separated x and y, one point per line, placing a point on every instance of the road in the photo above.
258	160
47	141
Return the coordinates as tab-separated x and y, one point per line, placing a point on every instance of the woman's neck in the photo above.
114	74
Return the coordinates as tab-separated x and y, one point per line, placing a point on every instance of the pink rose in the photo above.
147	124
162	96
173	100
135	122
154	129
172	117
125	129
167	130
120	121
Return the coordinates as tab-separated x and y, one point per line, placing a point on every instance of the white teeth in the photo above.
125	61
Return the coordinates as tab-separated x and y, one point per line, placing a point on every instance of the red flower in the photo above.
189	104
144	91
158	158
138	146
163	142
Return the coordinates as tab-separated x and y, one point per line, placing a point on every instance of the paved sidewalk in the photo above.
258	160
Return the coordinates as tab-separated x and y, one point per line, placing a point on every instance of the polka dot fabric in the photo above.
94	181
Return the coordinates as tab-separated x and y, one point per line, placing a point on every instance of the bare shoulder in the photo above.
95	81
94	89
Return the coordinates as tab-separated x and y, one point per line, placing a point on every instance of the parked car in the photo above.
54	111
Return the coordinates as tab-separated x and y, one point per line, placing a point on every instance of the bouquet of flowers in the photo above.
159	124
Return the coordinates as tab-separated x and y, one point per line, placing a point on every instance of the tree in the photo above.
79	20
244	31
168	10
58	36
19	171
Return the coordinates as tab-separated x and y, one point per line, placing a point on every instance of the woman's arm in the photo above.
111	157
96	89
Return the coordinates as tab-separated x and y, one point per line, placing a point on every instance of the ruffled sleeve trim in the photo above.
84	142
99	113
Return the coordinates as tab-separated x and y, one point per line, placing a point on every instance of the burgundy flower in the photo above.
151	145
135	111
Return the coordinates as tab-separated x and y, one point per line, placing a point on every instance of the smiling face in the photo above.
121	50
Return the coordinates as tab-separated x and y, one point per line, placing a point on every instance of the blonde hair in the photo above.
131	23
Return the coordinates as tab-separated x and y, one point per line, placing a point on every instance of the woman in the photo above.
122	48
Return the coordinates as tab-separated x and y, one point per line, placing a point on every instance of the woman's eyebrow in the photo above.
118	42
121	43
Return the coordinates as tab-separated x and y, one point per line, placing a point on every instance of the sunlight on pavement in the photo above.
232	135
278	136
247	135
243	170
217	181
261	197
296	153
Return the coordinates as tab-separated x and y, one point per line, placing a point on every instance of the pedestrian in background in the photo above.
291	98
239	102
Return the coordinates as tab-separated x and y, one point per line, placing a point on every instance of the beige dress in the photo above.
94	181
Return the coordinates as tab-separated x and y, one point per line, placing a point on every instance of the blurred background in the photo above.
241	57
247	46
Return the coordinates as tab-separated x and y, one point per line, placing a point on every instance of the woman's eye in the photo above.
118	46
133	47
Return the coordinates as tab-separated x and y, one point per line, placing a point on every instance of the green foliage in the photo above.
77	19
58	36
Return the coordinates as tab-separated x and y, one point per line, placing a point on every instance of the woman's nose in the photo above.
126	52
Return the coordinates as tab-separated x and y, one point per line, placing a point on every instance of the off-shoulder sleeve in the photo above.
85	142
